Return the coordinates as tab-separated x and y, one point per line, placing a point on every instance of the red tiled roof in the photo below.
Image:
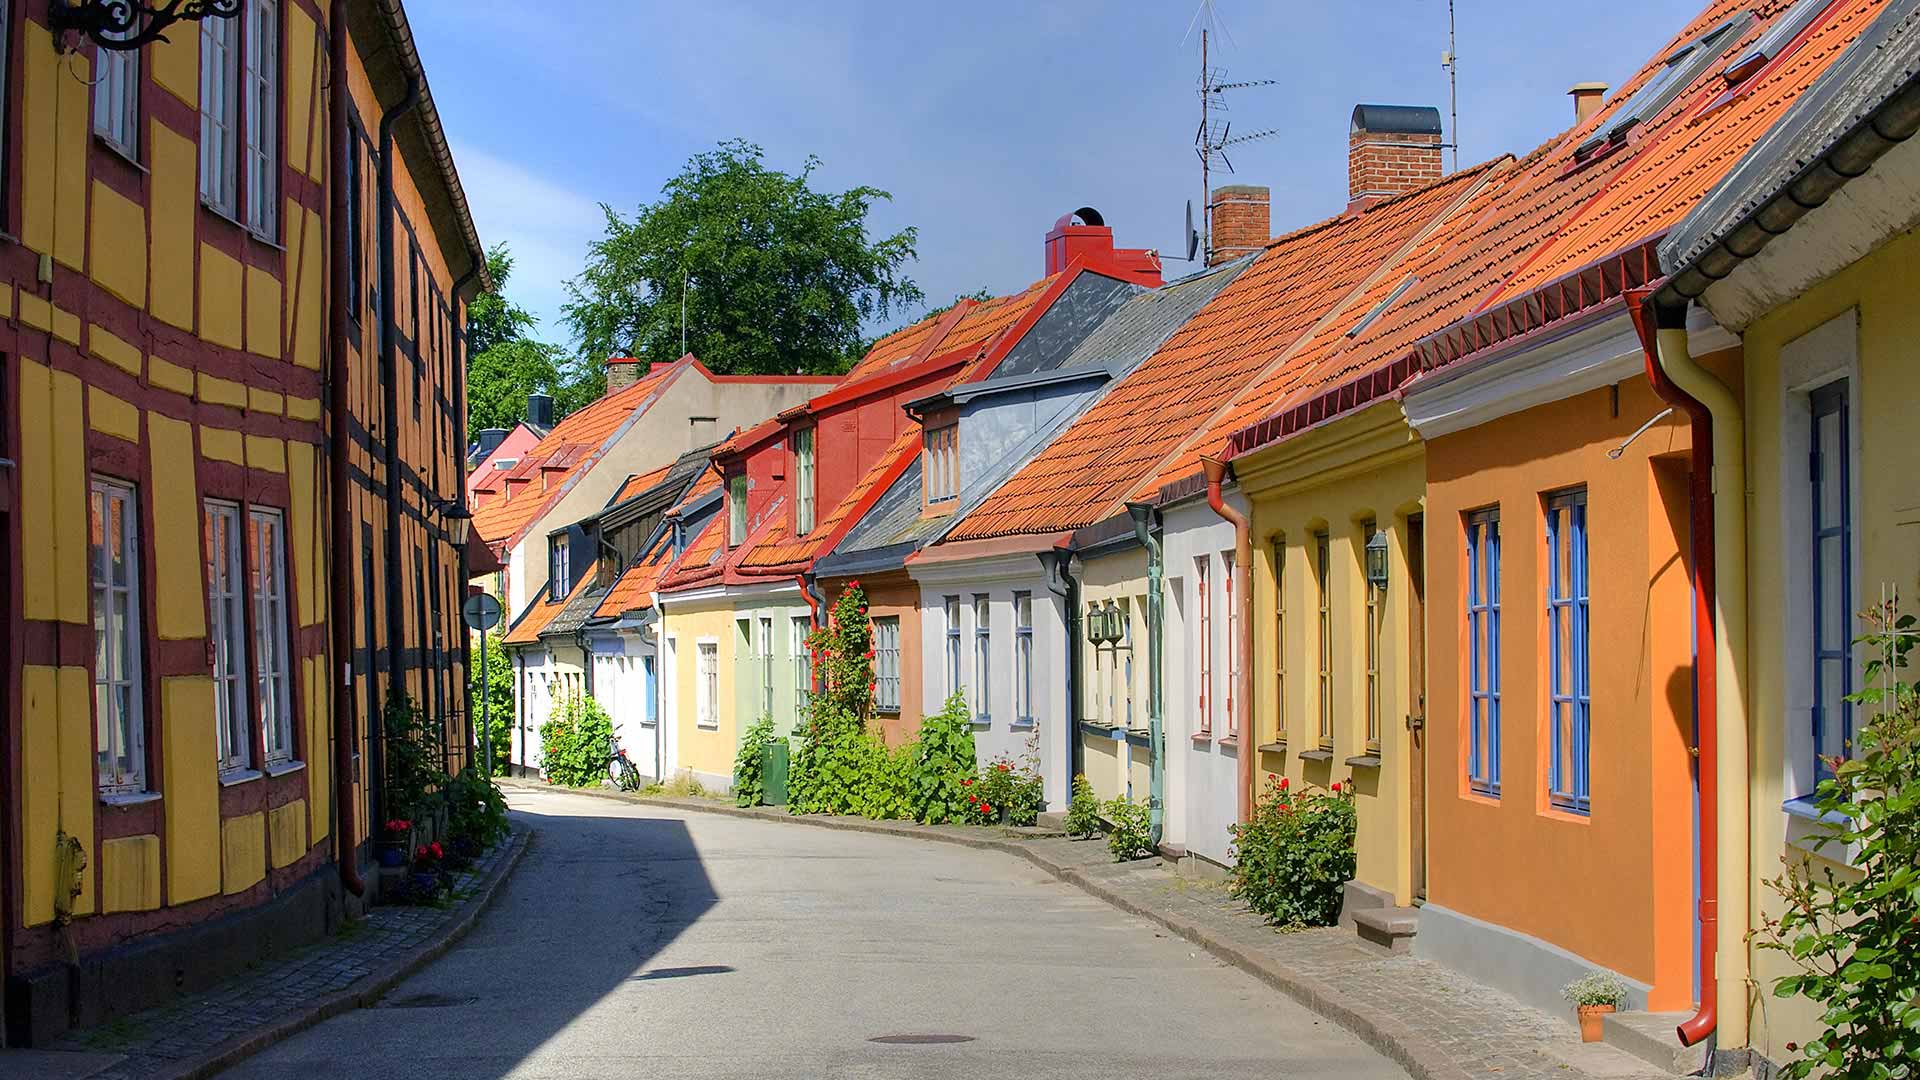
527	630
574	442
778	551
1300	279
634	485
1676	166
972	324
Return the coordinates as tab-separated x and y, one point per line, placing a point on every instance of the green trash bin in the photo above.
773	773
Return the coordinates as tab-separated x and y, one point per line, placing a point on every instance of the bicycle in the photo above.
620	769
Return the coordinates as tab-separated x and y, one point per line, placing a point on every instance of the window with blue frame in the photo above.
1570	708
1483	651
1832	536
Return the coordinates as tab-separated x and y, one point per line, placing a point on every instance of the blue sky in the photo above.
986	121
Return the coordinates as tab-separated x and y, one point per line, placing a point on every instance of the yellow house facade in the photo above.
696	635
1342	655
179	347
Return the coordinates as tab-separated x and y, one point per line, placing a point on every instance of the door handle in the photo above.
1416	723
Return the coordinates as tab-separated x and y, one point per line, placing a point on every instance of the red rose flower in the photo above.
985	809
1336	787
1283	783
1002	766
968	782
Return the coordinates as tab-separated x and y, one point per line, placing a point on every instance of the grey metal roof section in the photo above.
1082	307
1137	330
1397	119
661	496
1863	105
966	392
575	614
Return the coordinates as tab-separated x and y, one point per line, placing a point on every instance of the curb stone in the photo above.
360	995
1396	1040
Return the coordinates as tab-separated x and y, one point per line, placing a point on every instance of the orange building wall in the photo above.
1615	887
893	593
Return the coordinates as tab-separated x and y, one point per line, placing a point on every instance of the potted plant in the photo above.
393	845
1594	995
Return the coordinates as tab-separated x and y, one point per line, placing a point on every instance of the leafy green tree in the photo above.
775	276
505	362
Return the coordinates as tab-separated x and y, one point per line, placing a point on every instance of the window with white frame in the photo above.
1124	649
1570	706
1322	568
941	463
226	608
803	481
118	705
1831	560
1280	638
886	664
219	114
951	604
1203	641
798	629
1232	643
708	687
982	660
1483	651
116	99
267	547
559	567
1372	645
260	82
1023	657
763	644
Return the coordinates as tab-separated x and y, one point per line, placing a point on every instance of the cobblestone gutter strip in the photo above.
362	993
1426	1030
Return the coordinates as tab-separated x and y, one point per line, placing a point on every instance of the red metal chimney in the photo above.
1084	235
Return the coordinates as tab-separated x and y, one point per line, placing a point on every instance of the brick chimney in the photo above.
1391	149
1587	99
622	372
1084	235
1242	221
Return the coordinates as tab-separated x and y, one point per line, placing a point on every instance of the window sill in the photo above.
983	721
1202	736
1273	747
235	777
704	726
1316	755
125	155
1567	814
1365	761
128	798
285	767
1228	741
1028	724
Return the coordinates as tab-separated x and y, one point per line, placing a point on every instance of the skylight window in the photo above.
1781	34
1380	308
1681	68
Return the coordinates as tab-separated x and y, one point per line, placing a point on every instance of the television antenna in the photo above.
1450	60
1215	134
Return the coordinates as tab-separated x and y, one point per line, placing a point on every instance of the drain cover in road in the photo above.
919	1040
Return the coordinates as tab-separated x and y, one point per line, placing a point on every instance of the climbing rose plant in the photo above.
834	752
1294	858
1853	932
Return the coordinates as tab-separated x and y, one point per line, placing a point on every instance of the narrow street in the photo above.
639	942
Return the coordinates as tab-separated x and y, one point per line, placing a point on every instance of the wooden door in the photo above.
1417	700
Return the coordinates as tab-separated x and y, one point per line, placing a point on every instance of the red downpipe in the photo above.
339	145
1216	471
1700	505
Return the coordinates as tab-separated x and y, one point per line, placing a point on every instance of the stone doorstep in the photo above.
1391	928
1355	898
1650	1037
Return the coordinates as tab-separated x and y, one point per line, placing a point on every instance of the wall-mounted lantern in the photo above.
1377	559
458	520
124	25
1104	625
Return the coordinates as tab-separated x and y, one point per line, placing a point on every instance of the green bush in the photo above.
1132	834
415	768
1853	934
749	786
576	744
476	810
1083	813
885	788
494	687
832	751
943	763
1292	861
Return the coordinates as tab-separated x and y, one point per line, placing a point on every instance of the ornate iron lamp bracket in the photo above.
128	24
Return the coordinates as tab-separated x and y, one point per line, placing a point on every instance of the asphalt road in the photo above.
638	942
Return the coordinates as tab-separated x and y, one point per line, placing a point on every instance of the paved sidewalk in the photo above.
1432	1021
199	1035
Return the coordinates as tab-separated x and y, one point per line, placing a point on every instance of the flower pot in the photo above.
1593	1021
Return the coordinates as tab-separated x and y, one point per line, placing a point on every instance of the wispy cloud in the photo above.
547	227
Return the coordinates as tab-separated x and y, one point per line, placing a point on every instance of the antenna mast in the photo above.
1208	142
1451	61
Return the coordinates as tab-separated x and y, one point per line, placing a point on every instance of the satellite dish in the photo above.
1193	238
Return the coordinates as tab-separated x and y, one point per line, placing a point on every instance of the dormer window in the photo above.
1682	67
559	568
803	483
940	464
736	511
